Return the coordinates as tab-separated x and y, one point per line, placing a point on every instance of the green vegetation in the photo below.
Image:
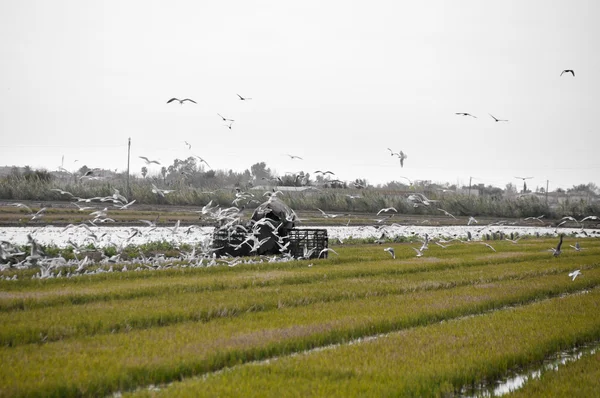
575	379
456	317
193	186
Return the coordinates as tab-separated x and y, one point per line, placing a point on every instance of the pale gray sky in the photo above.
335	82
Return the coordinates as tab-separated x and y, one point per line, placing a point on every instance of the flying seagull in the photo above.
447	213
568	71
402	157
148	161
294	157
465	114
574	274
386	209
181	101
202	160
391	251
225	119
557	250
243	98
497	120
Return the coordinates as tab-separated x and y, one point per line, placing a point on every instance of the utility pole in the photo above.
470	178
128	155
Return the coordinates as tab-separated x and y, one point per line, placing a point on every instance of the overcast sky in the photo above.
334	82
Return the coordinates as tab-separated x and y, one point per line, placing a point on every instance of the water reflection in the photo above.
516	381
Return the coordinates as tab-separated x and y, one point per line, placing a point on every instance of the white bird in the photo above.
539	218
125	206
327	215
386	209
589	218
514	241
202	160
402	157
472	220
41	213
327	250
62	192
446	213
575	274
148	161
181	101
188	145
488	245
419	252
576	247
21	205
161	192
391	251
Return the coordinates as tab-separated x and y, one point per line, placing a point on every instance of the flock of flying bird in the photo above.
228	218
204	255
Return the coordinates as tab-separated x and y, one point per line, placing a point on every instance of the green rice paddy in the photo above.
356	324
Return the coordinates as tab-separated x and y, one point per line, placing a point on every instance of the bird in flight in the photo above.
488	245
188	144
391	251
294	157
327	250
148	161
181	101
568	71
497	120
447	213
539	218
419	252
386	209
402	157
574	274
225	119
557	250
465	114
243	98
202	160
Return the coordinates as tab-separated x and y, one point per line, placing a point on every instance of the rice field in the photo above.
359	323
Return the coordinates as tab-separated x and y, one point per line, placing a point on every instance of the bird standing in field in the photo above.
568	71
181	101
